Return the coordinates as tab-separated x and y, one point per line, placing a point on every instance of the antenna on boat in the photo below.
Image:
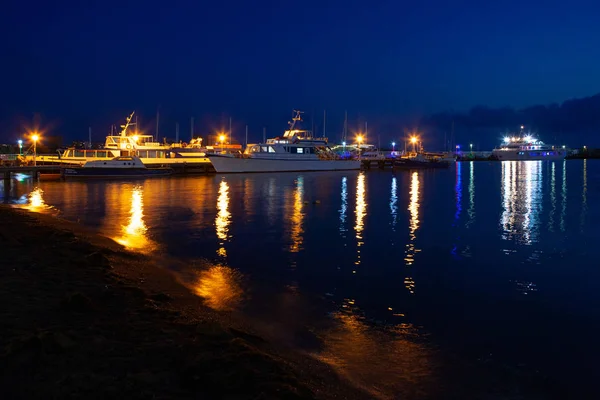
157	118
246	136
324	123
345	125
176	132
127	124
264	134
295	118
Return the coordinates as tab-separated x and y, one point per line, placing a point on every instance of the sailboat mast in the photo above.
246	144
157	118
229	130
345	126
264	134
90	137
192	129
176	132
324	123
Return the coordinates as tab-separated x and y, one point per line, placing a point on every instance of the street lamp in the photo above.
413	140
35	138
20	147
471	146
393	147
222	139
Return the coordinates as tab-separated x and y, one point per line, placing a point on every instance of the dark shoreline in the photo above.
82	317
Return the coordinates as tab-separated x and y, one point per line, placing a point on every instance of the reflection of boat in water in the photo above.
296	150
118	167
526	147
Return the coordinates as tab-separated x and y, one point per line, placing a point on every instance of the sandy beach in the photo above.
84	318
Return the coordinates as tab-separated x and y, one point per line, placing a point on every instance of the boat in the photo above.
422	160
296	150
526	147
118	167
145	147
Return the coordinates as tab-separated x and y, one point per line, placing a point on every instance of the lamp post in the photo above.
35	138
413	140
471	146
20	142
359	140
393	147
222	139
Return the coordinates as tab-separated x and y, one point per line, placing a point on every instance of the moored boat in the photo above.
296	150
526	147
118	167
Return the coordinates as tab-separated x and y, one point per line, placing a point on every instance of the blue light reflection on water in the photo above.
492	284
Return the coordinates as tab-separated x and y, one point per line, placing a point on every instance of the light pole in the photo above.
359	140
471	146
20	147
35	138
222	139
413	140
393	147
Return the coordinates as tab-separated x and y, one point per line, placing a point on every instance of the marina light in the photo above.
359	139
522	127
343	143
564	146
528	138
221	138
506	139
35	137
413	139
20	142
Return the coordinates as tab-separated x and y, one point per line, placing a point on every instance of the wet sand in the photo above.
81	317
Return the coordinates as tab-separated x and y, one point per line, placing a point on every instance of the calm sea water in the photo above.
484	277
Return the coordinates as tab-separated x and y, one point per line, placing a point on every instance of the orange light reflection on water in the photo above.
223	218
386	363
36	201
220	287
297	217
360	212
134	234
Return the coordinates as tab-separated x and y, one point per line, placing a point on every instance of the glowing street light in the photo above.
471	146
20	142
222	140
35	137
393	146
413	140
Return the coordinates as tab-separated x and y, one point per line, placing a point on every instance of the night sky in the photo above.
90	63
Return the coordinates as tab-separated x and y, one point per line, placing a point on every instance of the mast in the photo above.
176	132
264	134
229	130
246	145
324	124
366	132
90	137
157	118
345	126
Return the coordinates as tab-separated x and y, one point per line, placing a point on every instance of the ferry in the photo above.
296	150
118	167
149	151
526	147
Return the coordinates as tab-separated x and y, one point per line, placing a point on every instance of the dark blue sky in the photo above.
89	63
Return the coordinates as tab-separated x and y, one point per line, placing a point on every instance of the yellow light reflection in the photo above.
220	288
223	217
36	201
297	217
135	232
382	362
413	208
361	212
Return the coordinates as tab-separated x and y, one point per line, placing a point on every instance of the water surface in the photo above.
405	282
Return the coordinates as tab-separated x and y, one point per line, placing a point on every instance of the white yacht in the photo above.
126	144
296	150
526	147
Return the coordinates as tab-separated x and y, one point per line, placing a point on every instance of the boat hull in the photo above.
518	155
126	173
228	164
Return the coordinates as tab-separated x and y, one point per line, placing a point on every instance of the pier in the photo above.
33	170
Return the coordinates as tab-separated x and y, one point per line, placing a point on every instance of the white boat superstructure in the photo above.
295	150
526	147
